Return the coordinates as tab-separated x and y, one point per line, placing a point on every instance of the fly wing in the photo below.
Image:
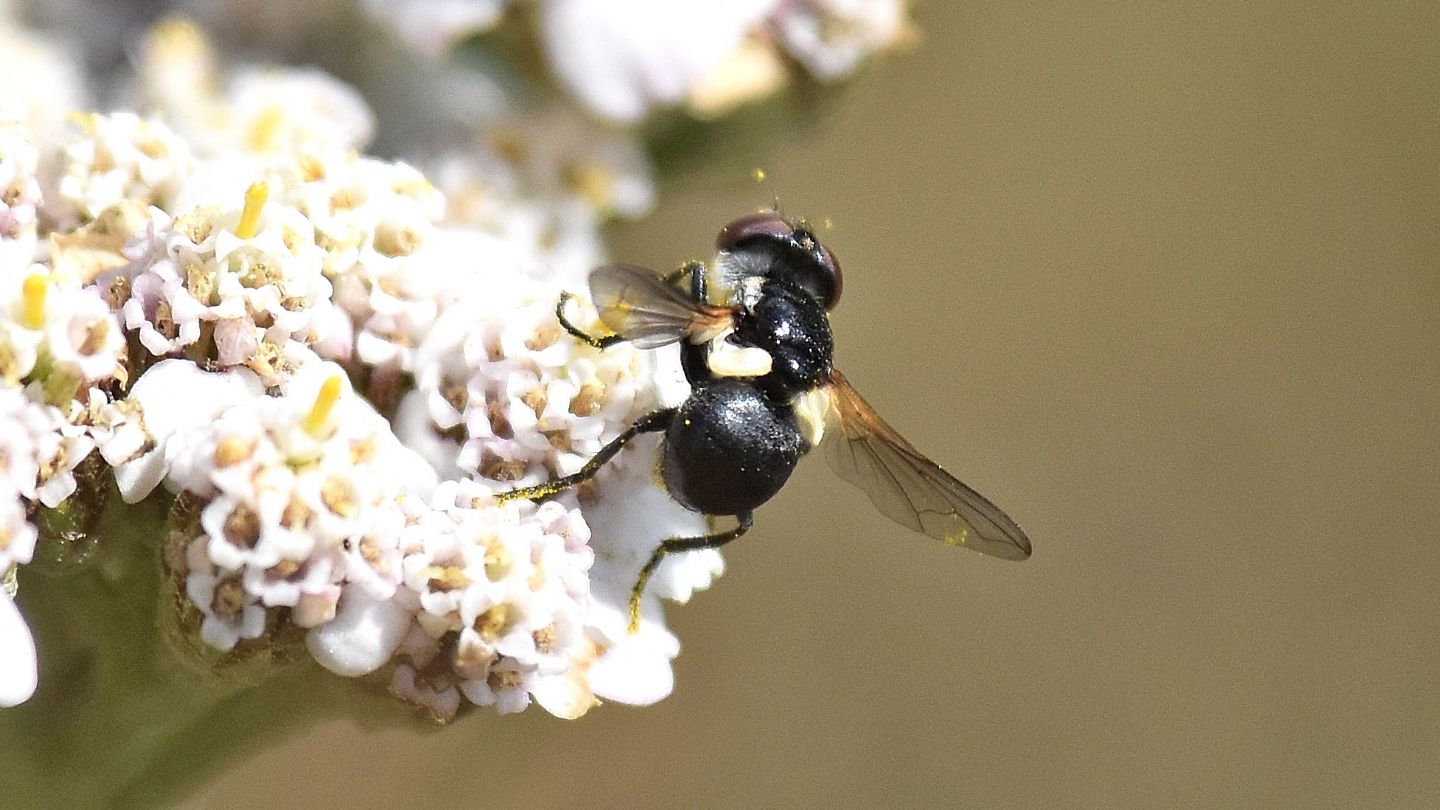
911	489
646	311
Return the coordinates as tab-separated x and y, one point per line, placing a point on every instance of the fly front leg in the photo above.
580	334
693	275
694	357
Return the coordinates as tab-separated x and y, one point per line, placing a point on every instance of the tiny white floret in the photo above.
362	637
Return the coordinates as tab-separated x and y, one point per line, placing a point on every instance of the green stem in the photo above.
126	717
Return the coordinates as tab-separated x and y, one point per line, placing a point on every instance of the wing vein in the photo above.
911	489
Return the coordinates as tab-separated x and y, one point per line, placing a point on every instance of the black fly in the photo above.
763	391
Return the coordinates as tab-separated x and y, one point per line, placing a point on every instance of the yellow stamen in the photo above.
87	121
255	197
33	293
177	40
594	183
265	132
325	401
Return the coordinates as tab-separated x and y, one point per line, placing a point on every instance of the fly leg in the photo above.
694	271
580	334
649	423
678	544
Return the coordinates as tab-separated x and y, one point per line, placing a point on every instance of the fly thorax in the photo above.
793	327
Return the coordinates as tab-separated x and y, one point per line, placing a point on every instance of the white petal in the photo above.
619	56
18	671
671	387
562	688
633	672
138	478
362	637
630	519
432	26
177	395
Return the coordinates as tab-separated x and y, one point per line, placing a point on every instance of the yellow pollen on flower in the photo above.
231	450
545	639
497	561
33	296
445	579
314	421
255	197
492	622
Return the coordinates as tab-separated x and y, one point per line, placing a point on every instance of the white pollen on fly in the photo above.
727	360
812	411
750	291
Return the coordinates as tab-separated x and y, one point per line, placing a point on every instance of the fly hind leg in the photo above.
675	545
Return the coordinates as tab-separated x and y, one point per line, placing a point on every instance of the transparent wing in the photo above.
909	488
646	311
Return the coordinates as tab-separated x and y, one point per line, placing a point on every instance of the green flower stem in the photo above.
126	713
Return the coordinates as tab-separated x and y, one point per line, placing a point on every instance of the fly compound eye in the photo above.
828	270
767	225
814	268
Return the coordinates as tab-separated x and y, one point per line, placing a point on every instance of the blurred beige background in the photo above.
1160	280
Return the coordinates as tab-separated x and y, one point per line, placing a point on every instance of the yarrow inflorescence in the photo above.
325	365
327	374
624	58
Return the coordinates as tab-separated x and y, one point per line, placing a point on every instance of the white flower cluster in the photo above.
503	593
119	158
29	440
334	374
622	58
301	496
60	345
237	255
19	190
512	389
25	428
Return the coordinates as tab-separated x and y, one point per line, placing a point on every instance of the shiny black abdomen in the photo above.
730	448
